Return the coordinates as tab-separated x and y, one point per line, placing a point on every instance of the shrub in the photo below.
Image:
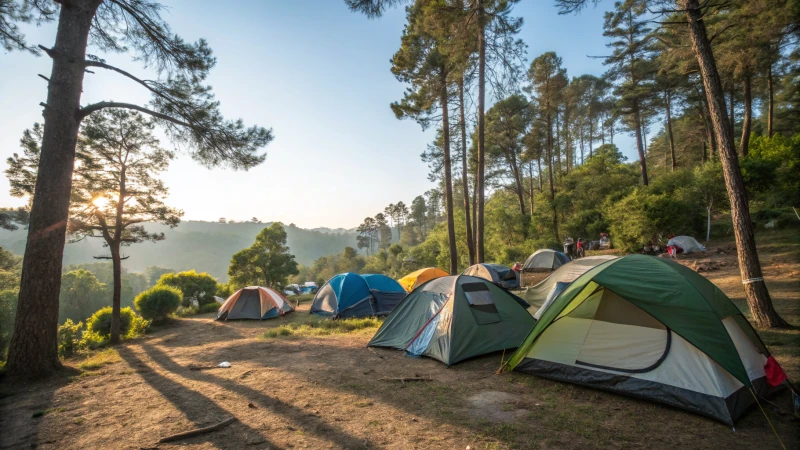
158	302
68	340
186	311
209	307
193	286
100	322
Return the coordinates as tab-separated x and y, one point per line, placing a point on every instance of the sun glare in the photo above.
100	202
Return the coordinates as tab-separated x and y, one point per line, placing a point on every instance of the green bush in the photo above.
209	307
100	322
193	286
186	311
8	311
68	340
158	302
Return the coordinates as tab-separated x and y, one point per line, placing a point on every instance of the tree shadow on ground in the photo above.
35	399
310	423
210	412
448	399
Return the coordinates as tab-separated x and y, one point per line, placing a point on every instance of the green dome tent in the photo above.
567	273
454	318
650	328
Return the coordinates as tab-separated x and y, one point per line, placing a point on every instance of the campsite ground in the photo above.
300	383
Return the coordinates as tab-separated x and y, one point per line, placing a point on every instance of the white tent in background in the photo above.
687	243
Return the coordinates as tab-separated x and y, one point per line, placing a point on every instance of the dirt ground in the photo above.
330	392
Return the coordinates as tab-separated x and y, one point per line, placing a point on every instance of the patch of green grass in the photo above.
319	326
100	360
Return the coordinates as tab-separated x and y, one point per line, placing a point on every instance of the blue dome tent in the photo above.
353	295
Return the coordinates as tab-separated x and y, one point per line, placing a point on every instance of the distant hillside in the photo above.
203	246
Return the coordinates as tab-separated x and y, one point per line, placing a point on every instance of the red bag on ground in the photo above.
775	375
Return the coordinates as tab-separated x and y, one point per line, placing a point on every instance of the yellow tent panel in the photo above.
414	279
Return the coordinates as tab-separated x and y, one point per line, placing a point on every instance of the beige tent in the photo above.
254	302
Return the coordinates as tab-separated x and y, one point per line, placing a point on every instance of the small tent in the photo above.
498	274
454	318
254	302
545	260
414	279
353	295
219	300
536	295
654	329
687	243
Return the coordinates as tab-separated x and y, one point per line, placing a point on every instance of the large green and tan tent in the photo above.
454	318
650	328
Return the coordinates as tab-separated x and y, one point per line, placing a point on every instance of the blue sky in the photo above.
319	76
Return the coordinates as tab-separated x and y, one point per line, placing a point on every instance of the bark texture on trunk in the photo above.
732	117
747	120
639	144
758	299
550	173
33	349
479	225
116	263
771	100
464	171
448	181
668	100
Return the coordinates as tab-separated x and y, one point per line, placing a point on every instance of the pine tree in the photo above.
181	104
115	188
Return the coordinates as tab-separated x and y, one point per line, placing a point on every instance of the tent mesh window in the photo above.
481	303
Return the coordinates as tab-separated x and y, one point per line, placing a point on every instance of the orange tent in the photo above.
414	279
254	302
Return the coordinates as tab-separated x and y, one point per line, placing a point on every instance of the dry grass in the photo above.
100	359
303	325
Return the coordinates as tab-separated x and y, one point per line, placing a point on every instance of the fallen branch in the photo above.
199	431
376	353
404	379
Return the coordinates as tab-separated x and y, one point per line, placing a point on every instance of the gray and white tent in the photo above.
687	243
545	260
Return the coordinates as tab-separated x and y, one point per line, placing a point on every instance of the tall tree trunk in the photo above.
732	117
516	171
668	101
550	170
708	221
475	209
558	145
771	100
755	288
530	181
464	171
33	349
581	137
448	183
479	245
744	144
116	263
591	137
704	158
639	145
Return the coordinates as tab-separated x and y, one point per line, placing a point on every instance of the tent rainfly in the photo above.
454	318
254	302
538	294
498	274
687	243
353	295
545	260
654	329
417	278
